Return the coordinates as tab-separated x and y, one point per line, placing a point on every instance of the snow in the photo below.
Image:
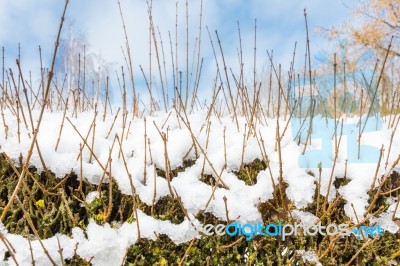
309	257
92	196
306	218
107	245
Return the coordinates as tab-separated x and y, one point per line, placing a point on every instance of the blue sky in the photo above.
279	25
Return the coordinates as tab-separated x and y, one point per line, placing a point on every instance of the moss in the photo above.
165	208
57	205
210	180
277	208
76	261
340	182
391	184
248	173
174	172
42	198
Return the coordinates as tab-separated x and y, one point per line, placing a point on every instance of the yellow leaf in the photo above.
163	262
40	203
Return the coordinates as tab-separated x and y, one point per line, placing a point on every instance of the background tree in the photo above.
371	25
85	71
368	31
